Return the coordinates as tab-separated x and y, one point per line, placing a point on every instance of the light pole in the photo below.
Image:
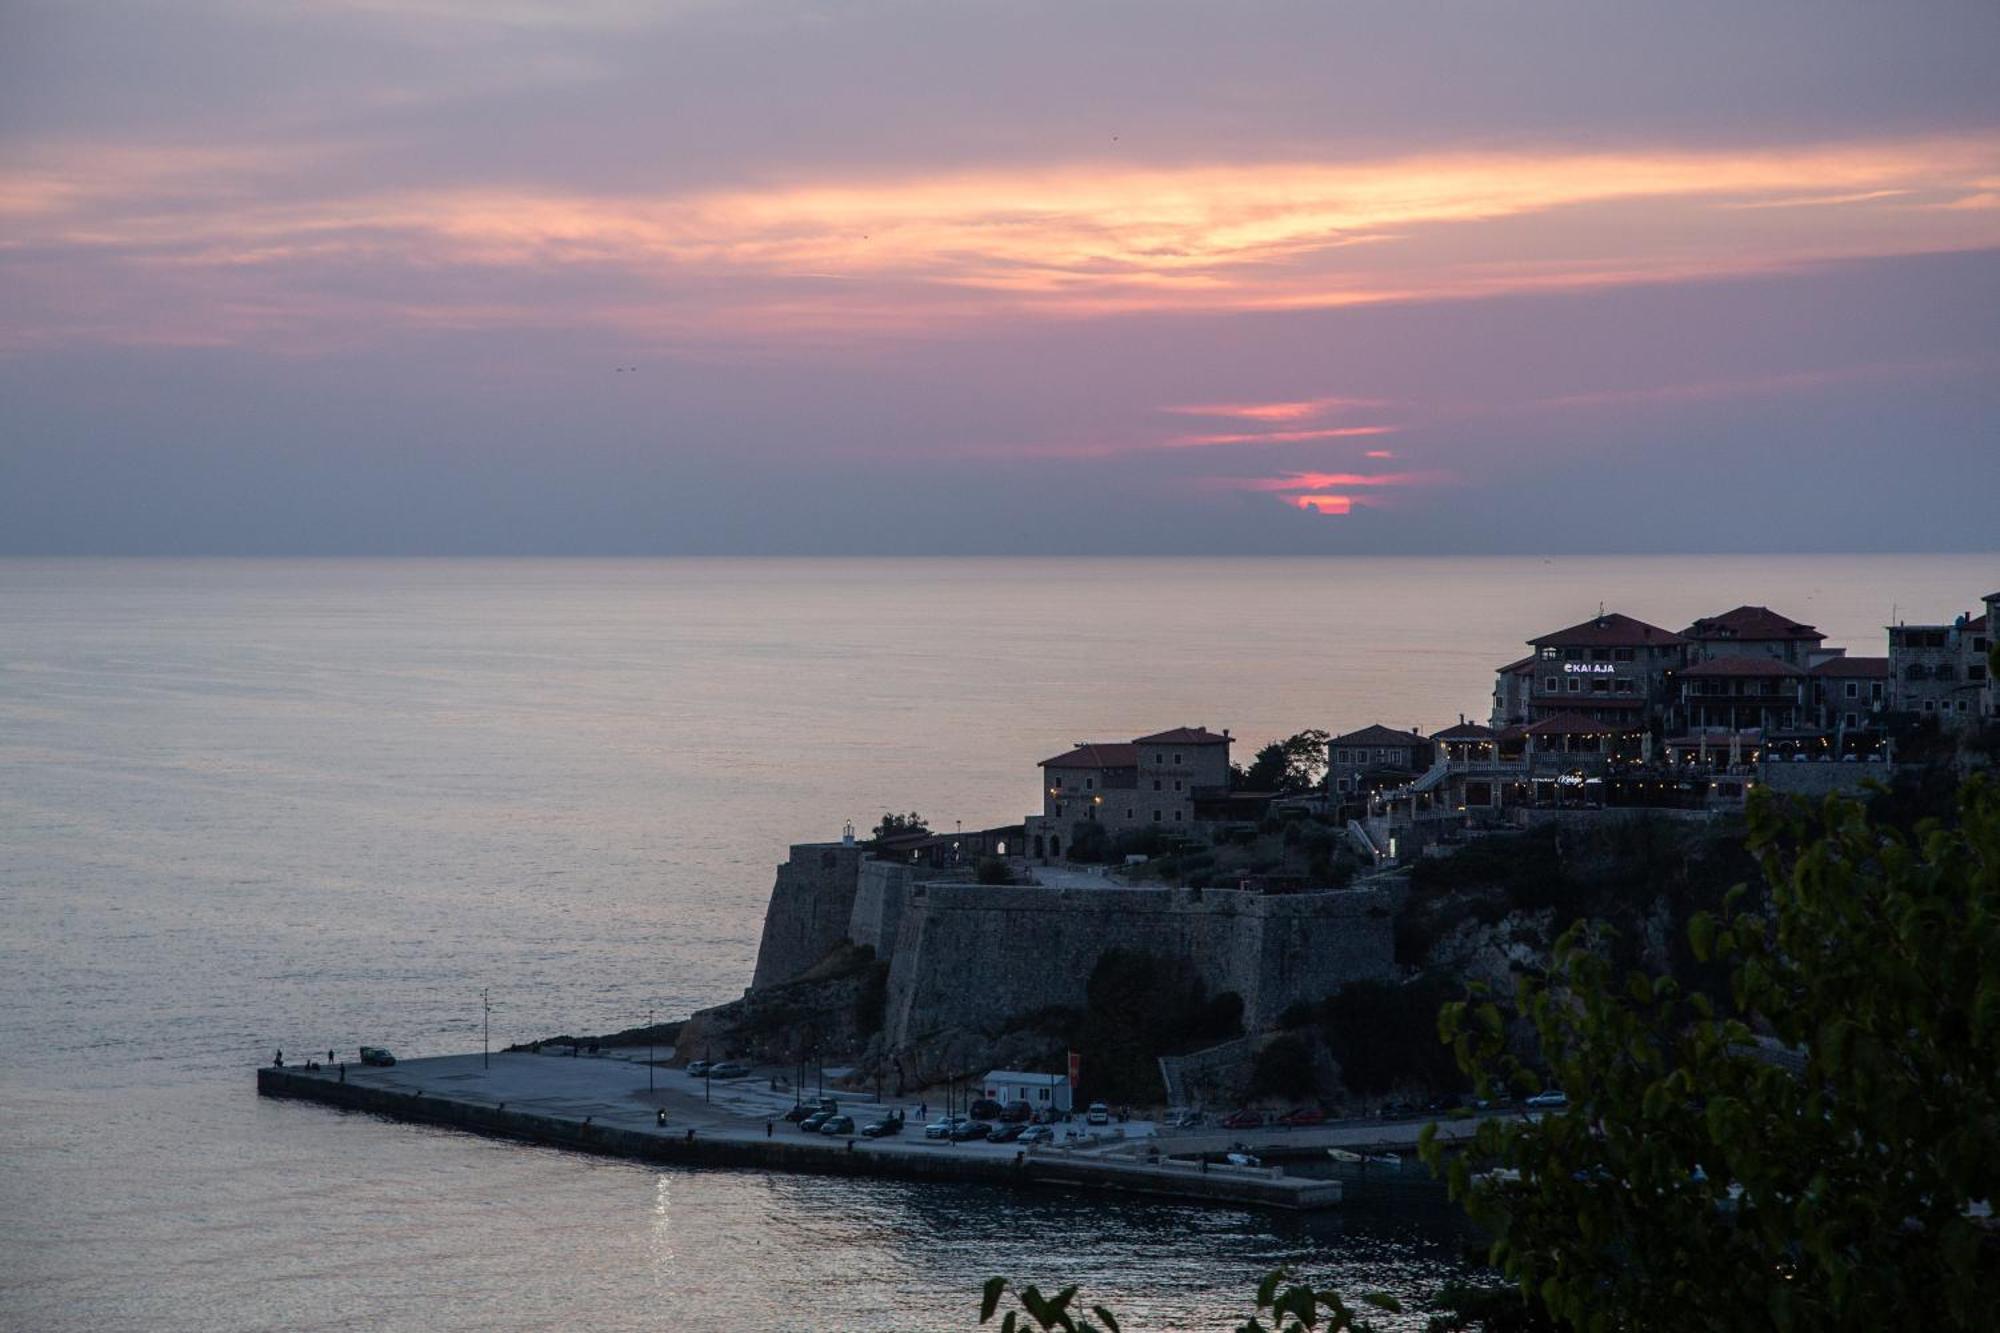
650	1038
486	1030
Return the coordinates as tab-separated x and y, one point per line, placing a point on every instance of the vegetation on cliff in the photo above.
1807	1146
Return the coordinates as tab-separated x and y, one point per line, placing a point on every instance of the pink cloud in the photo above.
1276	436
1299	410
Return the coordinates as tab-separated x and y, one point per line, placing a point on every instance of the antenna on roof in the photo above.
1600	610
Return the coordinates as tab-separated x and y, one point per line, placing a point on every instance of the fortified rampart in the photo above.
811	904
968	954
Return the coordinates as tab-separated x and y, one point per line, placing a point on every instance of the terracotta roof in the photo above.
1183	736
1378	735
1853	666
1570	724
1610	631
1093	754
1465	731
1751	622
1742	666
1977	626
1524	667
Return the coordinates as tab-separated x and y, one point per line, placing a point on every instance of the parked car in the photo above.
940	1128
698	1068
883	1128
1017	1113
984	1109
1038	1134
1306	1115
728	1069
1006	1133
800	1111
1099	1114
964	1129
1398	1110
812	1123
1244	1119
1553	1100
838	1124
376	1055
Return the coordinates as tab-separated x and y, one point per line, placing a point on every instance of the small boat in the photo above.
1242	1159
1384	1159
1345	1155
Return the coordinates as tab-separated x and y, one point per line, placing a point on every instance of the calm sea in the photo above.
259	804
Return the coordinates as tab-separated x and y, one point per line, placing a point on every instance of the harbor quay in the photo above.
609	1106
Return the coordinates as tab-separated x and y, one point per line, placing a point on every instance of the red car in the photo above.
1306	1115
1243	1120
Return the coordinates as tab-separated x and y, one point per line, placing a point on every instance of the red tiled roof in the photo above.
1853	666
1751	622
1096	754
1378	735
1464	731
1524	667
1611	630
1742	666
1183	736
1977	626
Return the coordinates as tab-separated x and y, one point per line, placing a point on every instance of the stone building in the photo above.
1753	631
1151	782
1609	669
1849	696
1512	686
1940	671
1745	692
1359	762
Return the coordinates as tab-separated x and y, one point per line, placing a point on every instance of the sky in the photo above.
707	277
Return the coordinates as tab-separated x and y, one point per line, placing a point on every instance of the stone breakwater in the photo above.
961	953
587	1107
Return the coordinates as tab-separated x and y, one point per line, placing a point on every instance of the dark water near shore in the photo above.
255	804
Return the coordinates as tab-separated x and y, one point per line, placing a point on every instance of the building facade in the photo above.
1940	671
1611	669
1151	782
1358	762
1753	631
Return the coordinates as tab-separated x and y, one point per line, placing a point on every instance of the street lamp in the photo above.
486	1030
651	1037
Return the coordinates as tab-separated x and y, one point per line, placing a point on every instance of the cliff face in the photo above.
812	902
972	956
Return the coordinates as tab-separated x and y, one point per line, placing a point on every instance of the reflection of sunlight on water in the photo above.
661	1236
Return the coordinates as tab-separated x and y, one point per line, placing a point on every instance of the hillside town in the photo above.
1612	712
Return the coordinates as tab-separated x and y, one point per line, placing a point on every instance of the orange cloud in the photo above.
900	254
1299	410
1379	453
1320	481
1276	436
1323	504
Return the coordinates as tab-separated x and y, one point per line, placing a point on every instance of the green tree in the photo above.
1803	1154
1295	764
893	824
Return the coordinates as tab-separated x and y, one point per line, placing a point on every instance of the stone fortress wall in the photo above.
970	955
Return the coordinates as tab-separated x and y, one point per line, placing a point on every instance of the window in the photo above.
1572	654
1621	654
1624	687
1915	671
1177	816
1852	720
1853	690
1551	684
1177	784
1130	813
1156	784
1975	672
1340	755
1875	690
1156	816
1600	686
1550	654
1600	654
1090	784
1575	685
1177	756
1930	705
1058	809
1944	671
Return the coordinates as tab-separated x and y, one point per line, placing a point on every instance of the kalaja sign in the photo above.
1589	668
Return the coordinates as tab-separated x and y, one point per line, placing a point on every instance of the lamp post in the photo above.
651	1037
486	1030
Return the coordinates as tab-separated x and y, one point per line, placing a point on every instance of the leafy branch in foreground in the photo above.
1815	1151
1282	1307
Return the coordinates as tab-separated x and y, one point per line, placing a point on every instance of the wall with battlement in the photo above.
812	903
968	955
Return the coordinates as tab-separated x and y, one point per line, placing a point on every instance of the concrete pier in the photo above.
604	1106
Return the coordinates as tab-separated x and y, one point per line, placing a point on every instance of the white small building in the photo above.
1041	1091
